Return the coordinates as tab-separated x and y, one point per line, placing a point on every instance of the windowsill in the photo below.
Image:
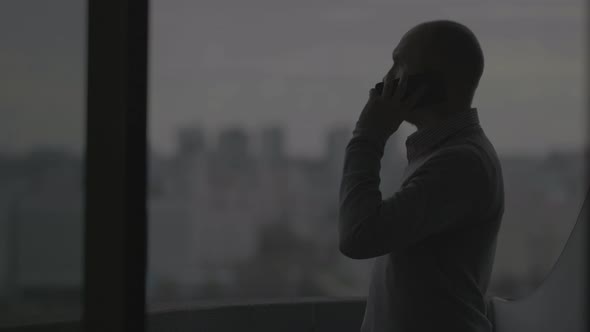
295	314
208	305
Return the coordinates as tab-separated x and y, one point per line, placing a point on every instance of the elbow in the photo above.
348	249
347	245
351	242
364	251
359	238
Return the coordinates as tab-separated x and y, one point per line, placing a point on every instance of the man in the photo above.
434	239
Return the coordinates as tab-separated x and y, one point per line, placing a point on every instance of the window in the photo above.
41	160
251	106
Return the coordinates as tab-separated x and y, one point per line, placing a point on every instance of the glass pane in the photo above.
252	104
41	145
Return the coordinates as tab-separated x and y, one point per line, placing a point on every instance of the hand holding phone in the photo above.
433	83
382	115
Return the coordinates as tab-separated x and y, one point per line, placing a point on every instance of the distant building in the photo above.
233	150
272	146
209	206
336	140
191	141
41	219
272	188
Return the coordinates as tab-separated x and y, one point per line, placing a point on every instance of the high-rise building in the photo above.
191	141
272	146
336	140
232	148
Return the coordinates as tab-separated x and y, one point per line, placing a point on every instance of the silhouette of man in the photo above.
434	239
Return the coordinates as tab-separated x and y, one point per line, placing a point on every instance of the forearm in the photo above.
360	197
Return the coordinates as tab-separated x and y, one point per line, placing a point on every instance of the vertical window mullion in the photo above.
115	210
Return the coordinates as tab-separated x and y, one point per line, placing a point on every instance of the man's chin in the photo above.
411	115
410	120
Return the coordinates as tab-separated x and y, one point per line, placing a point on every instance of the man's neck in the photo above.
432	117
428	120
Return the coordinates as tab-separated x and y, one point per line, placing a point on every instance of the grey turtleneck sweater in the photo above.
434	239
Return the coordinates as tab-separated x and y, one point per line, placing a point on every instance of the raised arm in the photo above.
441	194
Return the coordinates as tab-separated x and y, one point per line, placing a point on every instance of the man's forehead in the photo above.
399	48
409	46
396	55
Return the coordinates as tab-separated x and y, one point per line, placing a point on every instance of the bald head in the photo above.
447	47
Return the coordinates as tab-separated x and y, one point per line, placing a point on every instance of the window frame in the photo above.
116	166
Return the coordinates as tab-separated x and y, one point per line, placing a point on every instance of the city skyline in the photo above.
196	196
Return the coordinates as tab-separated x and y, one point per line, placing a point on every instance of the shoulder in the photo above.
458	164
460	155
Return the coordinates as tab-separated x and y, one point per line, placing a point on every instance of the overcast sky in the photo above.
306	65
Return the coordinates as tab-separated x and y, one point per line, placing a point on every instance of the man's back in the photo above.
440	283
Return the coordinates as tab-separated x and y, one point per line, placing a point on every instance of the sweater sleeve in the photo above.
440	194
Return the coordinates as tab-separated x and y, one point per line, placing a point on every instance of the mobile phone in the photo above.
434	82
